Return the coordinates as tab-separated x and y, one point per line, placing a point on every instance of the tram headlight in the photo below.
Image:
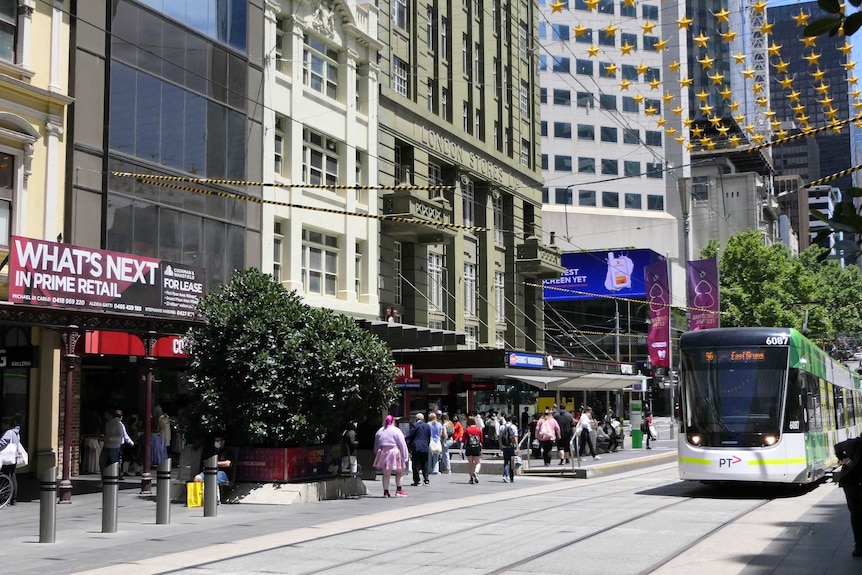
694	439
770	440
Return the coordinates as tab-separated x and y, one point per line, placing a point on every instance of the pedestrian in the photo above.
612	428
586	424
11	436
390	451
448	442
435	446
525	421
549	432
849	453
473	441
490	429
647	427
349	444
567	425
418	440
458	435
223	462
535	446
114	437
508	445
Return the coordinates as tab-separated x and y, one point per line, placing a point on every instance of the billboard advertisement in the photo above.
63	275
591	275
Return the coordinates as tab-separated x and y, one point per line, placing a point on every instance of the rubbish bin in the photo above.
637	439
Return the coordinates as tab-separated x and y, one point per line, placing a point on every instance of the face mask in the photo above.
217	444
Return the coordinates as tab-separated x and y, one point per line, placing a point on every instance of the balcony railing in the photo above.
537	260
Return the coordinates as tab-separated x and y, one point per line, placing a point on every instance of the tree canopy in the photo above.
270	370
765	285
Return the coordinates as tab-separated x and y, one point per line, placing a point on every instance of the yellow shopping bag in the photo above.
194	494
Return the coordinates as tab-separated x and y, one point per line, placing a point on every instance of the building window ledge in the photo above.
16	71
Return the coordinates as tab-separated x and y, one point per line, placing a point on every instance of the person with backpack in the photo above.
508	445
567	425
548	432
473	441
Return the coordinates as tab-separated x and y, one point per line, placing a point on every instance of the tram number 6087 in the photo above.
777	340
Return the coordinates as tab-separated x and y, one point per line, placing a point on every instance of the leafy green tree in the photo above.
767	286
273	371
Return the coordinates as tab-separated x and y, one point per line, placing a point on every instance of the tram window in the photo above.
840	420
850	408
814	416
793	402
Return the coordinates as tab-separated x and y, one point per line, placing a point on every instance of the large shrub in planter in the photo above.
273	371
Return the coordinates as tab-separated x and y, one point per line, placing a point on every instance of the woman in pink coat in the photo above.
391	455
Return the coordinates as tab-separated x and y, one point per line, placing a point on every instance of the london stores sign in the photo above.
62	275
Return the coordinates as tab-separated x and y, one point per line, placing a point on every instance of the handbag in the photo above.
435	446
9	455
194	494
535	444
23	458
518	461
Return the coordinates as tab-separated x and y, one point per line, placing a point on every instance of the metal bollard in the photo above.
48	506
163	493
211	486
110	491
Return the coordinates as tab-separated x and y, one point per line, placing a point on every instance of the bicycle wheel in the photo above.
5	490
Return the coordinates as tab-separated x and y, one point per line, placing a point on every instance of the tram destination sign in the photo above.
51	274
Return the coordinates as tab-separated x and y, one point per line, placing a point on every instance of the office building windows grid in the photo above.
278	149
633	201
610	199
563	130
587	198
586	132
277	250
655	202
563	97
563	164
610	167
400	80
631	168
563	196
608	134
586	165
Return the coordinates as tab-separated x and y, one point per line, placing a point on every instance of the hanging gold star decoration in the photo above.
668	97
739	57
826	101
759	7
852	80
809	41
734	106
846	48
611	30
748	73
822	89
774	49
717	78
818	74
762	101
687	122
674	66
722	15
661	122
670	131
710	145
733	140
766	27
781	134
786	82
715	121
757	88
660	45
680	139
831	113
739	118
802	118
641	69
697	131
758	138
749	128
579	30
625	84
801	19
639	99
781	66
794	96
630	3
683	22
706	109
702	96
689	146
857	105
654	84
626	48
592	51
706	62
728	36
611	69
836	127
856	93
725	92
685	82
812	58
700	40
723	130
557	7
650	111
591	5
797	108
648	27
849	65
677	111
774	124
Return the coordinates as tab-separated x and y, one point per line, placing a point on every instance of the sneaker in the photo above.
400	493
561	462
414	485
567	462
596	457
471	480
427	482
505	479
476	478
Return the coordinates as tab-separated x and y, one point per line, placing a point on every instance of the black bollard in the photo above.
211	486
163	493
48	506
110	491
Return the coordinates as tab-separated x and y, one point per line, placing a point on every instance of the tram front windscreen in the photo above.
733	395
